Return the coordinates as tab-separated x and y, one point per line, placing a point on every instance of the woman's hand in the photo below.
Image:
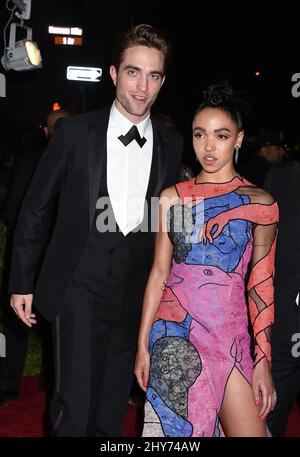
141	369
263	388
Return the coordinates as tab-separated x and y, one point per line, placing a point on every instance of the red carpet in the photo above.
27	416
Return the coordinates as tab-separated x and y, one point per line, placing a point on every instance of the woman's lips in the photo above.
209	160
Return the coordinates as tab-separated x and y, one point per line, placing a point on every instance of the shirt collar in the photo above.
122	124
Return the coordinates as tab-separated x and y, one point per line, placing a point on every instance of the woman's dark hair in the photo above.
223	97
141	35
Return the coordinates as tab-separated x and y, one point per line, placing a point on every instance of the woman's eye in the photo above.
223	137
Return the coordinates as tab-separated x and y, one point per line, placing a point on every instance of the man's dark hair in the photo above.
141	35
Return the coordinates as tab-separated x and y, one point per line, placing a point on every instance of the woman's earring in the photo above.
236	154
196	159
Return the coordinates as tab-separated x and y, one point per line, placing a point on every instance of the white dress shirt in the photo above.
128	170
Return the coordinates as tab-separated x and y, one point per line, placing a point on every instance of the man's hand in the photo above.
22	306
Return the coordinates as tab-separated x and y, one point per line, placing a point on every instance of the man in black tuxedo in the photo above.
104	165
283	183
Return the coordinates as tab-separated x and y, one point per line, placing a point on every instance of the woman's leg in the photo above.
239	415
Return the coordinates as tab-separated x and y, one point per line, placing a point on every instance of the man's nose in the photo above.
143	83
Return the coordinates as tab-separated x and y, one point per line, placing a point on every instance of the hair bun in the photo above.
222	96
217	94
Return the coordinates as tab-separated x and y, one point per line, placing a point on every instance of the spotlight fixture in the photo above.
24	54
21	55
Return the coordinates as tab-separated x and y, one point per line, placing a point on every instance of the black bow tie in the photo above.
132	134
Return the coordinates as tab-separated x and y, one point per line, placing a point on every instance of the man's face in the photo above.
273	153
138	81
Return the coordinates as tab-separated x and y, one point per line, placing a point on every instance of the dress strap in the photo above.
185	190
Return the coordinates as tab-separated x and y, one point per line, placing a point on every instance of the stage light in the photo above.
22	55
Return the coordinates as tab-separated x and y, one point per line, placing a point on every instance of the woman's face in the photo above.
215	135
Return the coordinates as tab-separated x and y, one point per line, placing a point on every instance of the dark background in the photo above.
211	41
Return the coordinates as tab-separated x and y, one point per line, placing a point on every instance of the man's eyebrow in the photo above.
134	67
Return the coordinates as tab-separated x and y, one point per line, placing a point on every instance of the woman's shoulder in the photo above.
256	194
169	192
169	197
178	189
261	196
185	188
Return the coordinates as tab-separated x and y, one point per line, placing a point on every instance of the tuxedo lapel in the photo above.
96	155
159	141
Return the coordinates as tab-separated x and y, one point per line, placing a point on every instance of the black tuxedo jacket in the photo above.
71	167
283	183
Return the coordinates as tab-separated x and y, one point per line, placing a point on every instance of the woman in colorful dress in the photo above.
214	255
